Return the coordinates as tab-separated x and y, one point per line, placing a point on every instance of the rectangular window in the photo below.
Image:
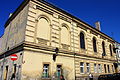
88	67
59	70
112	68
99	68
95	68
81	67
105	68
108	68
45	70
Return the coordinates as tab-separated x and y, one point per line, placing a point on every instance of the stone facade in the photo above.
36	29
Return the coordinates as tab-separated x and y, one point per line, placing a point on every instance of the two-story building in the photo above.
36	29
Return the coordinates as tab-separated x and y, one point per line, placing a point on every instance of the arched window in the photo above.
65	39
43	29
94	44
82	41
110	47
103	47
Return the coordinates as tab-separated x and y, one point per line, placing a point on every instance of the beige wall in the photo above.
43	27
33	65
57	36
15	31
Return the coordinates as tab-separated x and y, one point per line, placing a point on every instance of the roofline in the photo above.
15	13
65	12
24	3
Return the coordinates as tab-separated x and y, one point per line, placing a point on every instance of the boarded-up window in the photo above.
65	35
43	29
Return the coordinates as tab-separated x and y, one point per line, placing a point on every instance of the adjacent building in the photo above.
117	50
37	29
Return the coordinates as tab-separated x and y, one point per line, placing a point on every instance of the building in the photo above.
37	29
117	50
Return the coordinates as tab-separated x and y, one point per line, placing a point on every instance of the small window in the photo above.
81	67
99	68
105	68
108	68
110	50
59	70
103	47
95	68
112	68
94	45
45	70
82	41
88	67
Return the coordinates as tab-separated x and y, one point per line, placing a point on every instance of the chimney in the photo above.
97	24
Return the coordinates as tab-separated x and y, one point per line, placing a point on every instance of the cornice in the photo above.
22	47
64	16
68	52
22	5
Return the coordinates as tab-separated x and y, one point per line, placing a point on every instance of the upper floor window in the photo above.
82	41
43	28
103	48
65	39
110	50
94	45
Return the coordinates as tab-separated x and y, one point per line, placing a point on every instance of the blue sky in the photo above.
90	11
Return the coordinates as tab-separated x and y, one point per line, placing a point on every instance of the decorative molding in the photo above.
43	9
42	41
65	46
65	18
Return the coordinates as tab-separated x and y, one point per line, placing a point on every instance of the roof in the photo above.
24	3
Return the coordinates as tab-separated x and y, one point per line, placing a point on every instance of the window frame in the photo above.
81	67
82	40
95	68
44	68
99	68
94	44
60	70
108	68
110	47
105	68
103	48
88	67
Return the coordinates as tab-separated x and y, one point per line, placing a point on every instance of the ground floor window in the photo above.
95	68
105	68
99	68
88	67
81	67
45	70
59	70
112	68
108	68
